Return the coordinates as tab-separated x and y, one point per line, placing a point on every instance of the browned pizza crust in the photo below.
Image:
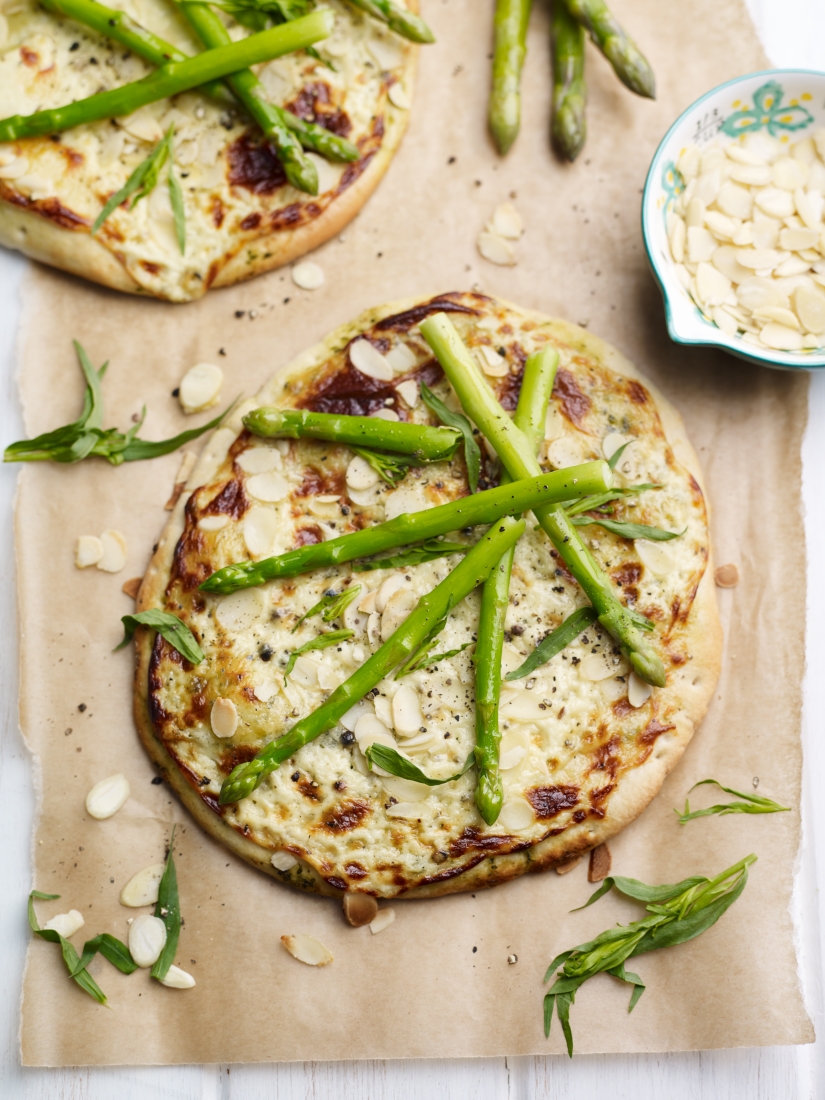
692	679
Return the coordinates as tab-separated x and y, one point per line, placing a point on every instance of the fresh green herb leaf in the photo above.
678	913
641	621
472	454
323	641
280	11
391	468
86	436
396	764
331	606
170	627
628	530
428	661
752	804
418	658
555	642
70	956
414	555
168	909
323	60
141	182
110	948
599	500
617	454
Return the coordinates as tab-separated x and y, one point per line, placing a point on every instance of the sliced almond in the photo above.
401	358
66	924
701	244
106	797
778	314
515	747
200	387
241	609
399	97
567	865
14	169
655	557
597	666
350	719
307	949
404	501
359	909
600	863
638	692
305	672
735	201
308	275
383	709
406	711
269	488
507	222
410	392
520	705
370	730
177	978
720	225
385	414
713	287
383	919
360	475
142	888
374	629
780	337
394	583
386	50
404	810
113	558
809	304
726	576
223	717
259	460
775	202
516	815
491	362
213	523
147	939
283	861
88	550
366	358
496	249
260	530
399	606
132	587
405	790
796	240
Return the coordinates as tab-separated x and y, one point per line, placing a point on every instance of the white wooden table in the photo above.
794	34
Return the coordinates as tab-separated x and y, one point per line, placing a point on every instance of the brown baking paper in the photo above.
437	982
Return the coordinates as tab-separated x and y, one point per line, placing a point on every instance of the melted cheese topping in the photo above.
48	61
569	731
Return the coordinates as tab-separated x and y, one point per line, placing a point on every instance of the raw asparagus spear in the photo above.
299	169
422	440
509	51
398	19
416	527
629	63
569	125
121	28
516	454
173	78
536	387
431	609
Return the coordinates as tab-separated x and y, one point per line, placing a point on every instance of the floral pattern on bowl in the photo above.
784	103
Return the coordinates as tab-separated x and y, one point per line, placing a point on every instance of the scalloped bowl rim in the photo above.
712	336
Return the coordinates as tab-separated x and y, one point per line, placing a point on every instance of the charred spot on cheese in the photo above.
654	729
345	816
321	482
253	164
230	501
638	394
309	535
52	209
315	103
472	839
575	404
402	322
510	386
237	754
347	391
549	801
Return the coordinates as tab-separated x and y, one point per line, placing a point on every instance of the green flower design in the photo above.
672	184
767	111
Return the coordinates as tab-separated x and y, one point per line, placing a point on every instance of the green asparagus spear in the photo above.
509	51
120	28
398	19
536	387
629	63
470	572
569	126
425	442
173	78
299	169
404	530
519	460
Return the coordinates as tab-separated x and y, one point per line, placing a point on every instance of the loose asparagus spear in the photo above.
431	609
569	126
173	78
398	19
518	458
629	63
404	530
536	387
509	51
299	169
425	442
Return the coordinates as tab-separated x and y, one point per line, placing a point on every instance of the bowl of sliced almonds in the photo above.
732	219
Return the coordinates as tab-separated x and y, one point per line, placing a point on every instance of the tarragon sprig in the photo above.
752	804
323	641
87	436
472	453
393	762
678	913
390	468
169	626
331	606
168	909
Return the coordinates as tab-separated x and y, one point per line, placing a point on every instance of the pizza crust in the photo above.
696	680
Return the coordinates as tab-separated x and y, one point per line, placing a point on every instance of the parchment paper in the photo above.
437	982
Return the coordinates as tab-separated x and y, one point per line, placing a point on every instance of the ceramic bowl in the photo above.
789	104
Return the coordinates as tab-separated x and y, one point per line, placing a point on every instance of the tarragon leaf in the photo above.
70	956
617	454
472	454
170	627
390	468
414	555
111	948
331	606
753	804
420	655
555	642
396	764
599	500
628	530
323	641
141	181
168	909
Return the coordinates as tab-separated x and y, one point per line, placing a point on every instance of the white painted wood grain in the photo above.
794	33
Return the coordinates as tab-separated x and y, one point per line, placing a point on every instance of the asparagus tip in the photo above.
648	666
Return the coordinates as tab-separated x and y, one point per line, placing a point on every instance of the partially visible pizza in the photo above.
242	216
583	751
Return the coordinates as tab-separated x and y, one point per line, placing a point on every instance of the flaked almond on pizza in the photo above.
447	606
162	147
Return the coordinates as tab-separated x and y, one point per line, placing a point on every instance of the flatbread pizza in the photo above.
242	215
585	743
